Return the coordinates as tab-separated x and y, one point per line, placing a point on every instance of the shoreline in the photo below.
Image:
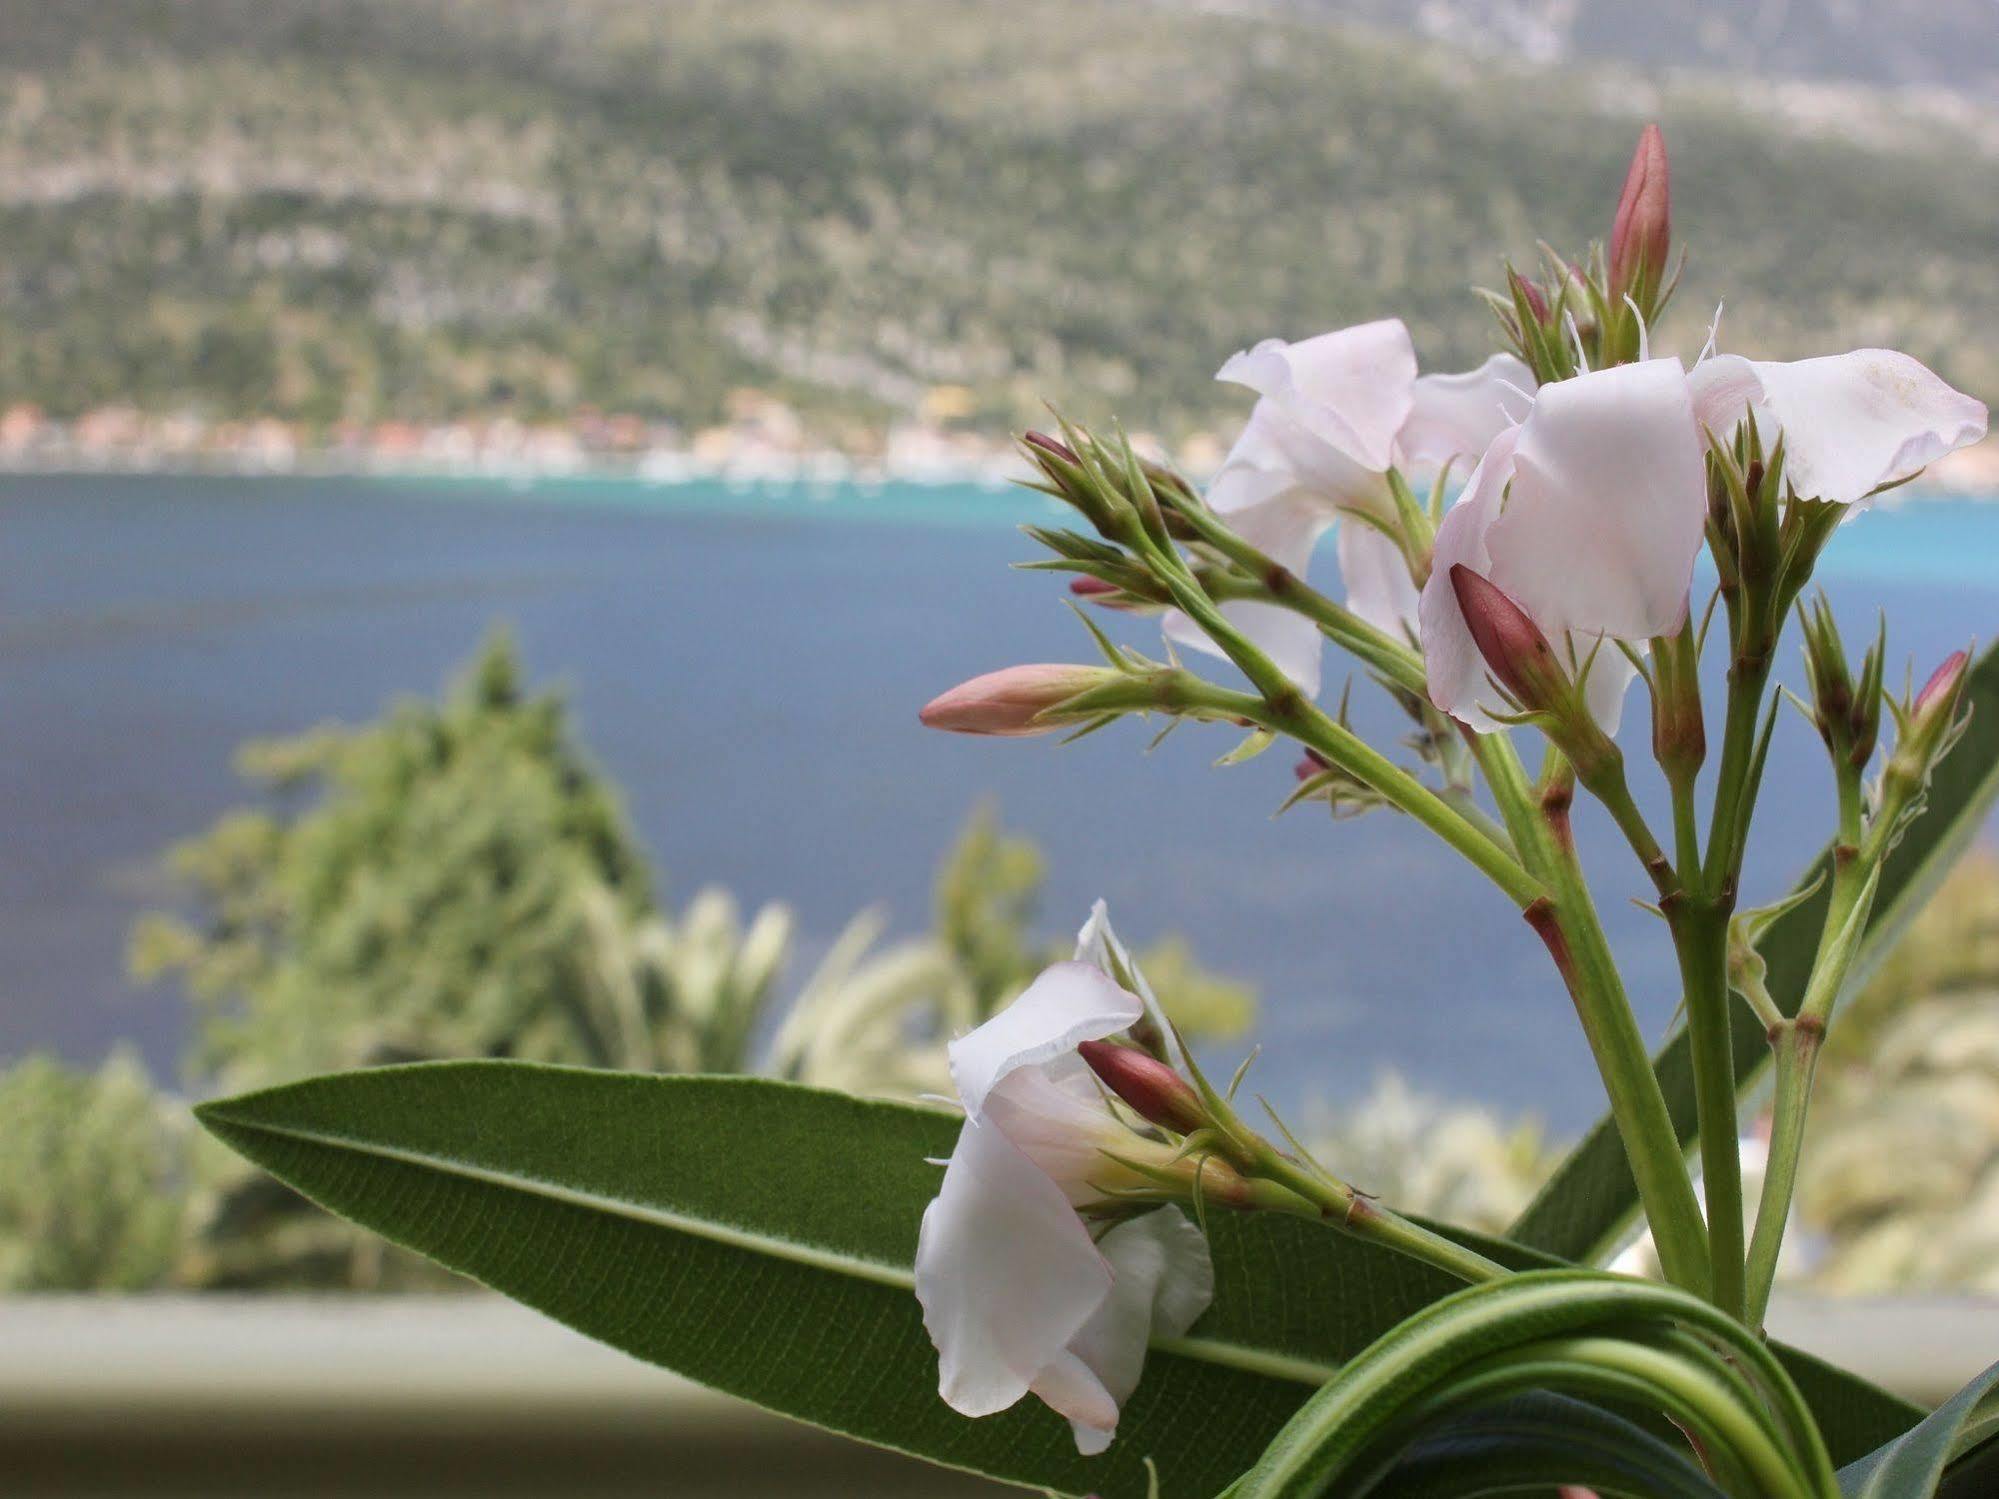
1978	484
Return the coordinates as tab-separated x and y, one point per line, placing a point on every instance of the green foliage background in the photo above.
331	209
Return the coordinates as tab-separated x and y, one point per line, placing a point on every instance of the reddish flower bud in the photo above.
1641	235
1104	595
1939	694
1155	1091
1050	445
1511	643
1011	702
1313	764
1529	293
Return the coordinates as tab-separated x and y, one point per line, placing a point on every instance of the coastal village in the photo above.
761	441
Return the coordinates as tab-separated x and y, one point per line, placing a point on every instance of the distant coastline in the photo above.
764	443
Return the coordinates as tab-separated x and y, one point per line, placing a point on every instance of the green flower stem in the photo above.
1796	1045
1306	1193
1273	583
1283	709
1570	927
1574	935
1565	918
1739	777
1796	1042
1605	781
1700	941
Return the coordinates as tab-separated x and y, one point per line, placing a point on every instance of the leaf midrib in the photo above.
1216	1351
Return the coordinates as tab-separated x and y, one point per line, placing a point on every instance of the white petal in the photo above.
1451	659
1351	389
1005	1271
1457	416
1851	422
1608	505
1379	588
1096	944
1069	1003
1285	529
1724	388
1059	1120
1163	1280
1610	677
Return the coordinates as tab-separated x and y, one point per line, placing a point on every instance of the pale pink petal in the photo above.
1457	416
1005	1271
1351	389
1097	944
1610	677
1379	588
1724	389
1451	660
1163	1280
1851	422
1285	529
1069	1003
1057	1117
1608	505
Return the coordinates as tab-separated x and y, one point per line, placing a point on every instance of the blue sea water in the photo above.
747	662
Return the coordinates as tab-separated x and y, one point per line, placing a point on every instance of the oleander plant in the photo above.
1093	1271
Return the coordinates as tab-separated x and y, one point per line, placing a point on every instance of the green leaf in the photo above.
1532	1443
1914	1464
758	1236
1523	1332
1591	1201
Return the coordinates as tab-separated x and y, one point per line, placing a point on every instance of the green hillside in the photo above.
328	209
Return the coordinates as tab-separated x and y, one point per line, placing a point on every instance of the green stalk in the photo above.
1700	941
1282	708
1274	584
1575	940
1325	1200
1570	927
1796	1044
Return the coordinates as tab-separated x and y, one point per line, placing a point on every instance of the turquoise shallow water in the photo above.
747	662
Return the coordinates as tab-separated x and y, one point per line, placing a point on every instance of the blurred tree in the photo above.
91	1178
456	881
440	884
1901	1174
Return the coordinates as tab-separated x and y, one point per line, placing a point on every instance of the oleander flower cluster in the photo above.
1515	547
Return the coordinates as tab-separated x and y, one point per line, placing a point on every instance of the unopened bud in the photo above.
1528	293
1511	643
1012	702
1155	1092
1311	765
1641	235
1938	699
1054	447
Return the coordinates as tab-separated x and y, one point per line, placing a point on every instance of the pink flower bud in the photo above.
1052	446
1939	694
1010	702
1313	764
1156	1093
1528	293
1641	235
1511	643
1104	595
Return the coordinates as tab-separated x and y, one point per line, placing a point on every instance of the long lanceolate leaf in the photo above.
1533	1443
1913	1466
1592	1201
758	1237
1590	1333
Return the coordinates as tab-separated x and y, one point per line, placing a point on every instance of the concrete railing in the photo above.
450	1395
